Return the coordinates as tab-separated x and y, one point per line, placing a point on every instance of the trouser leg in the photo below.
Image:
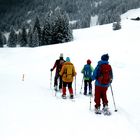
104	96
60	82
56	80
85	87
70	88
90	87
64	88
97	96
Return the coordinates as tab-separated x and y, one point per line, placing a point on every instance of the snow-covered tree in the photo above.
47	33
12	40
30	32
117	23
35	38
23	38
37	28
1	40
19	37
61	28
4	39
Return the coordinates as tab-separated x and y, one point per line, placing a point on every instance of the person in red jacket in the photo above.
58	65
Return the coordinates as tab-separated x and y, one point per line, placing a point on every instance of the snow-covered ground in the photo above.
29	109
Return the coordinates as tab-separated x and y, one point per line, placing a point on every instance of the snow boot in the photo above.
106	110
90	94
71	96
55	88
97	110
64	96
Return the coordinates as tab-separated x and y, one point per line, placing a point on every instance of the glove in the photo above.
51	69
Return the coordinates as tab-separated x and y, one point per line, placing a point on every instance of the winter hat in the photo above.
89	61
61	54
105	57
68	59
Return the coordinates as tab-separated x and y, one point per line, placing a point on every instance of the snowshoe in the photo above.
71	96
106	111
85	94
98	111
55	88
89	93
64	96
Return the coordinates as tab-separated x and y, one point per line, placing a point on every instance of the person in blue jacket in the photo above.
100	87
87	73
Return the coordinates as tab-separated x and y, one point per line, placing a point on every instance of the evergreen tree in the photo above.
47	33
117	23
4	40
35	38
61	29
19	37
23	38
116	26
84	11
1	40
37	27
12	40
30	44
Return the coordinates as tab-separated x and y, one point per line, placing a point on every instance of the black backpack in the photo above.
60	64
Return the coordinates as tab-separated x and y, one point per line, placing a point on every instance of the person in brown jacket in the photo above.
67	72
58	65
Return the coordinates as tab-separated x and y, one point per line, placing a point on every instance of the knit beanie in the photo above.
61	55
68	59
105	57
89	61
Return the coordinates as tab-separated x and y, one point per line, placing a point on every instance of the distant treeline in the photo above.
23	12
17	15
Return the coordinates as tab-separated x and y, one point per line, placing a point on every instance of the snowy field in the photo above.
29	109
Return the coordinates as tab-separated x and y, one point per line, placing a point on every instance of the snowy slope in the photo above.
29	109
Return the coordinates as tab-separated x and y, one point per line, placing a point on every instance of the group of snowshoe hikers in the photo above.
102	74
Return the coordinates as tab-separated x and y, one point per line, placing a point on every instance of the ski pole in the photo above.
51	80
113	98
75	85
23	77
90	103
81	85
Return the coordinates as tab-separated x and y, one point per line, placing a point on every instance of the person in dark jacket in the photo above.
58	65
101	89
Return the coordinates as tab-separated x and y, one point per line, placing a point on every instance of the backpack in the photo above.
104	74
87	71
60	64
69	71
